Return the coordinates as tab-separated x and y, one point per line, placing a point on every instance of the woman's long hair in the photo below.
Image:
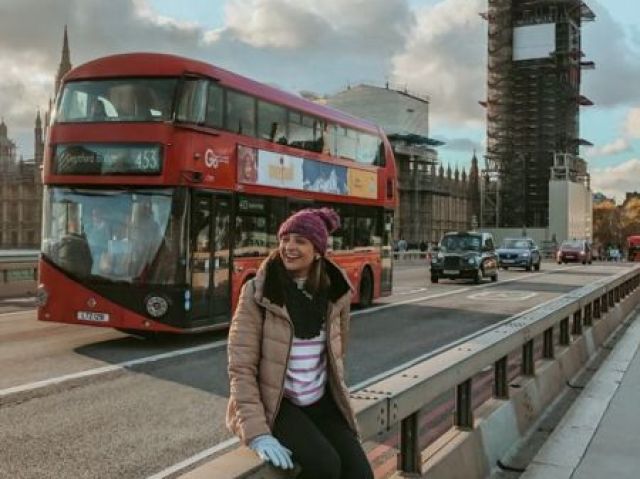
318	279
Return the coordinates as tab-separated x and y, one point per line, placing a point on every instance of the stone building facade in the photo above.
21	180
20	194
432	200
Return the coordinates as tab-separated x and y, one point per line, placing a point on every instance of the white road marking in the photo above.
222	343
503	295
195	458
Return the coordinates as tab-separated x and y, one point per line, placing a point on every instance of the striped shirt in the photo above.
306	374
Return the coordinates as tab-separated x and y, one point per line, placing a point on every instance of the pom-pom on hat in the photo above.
314	224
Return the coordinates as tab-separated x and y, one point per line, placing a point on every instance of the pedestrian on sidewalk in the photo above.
288	398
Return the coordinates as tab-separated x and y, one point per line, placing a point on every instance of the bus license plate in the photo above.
91	316
451	271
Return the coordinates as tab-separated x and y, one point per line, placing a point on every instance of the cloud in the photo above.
616	181
632	123
446	58
614	51
296	44
619	145
461	144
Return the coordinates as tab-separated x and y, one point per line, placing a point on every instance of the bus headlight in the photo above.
156	306
42	296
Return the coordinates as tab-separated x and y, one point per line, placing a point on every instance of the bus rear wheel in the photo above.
366	289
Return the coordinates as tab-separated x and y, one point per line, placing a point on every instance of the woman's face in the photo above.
297	254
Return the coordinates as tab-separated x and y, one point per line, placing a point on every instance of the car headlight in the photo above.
525	254
440	256
472	261
42	296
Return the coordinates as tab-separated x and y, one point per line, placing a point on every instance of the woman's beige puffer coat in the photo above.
260	339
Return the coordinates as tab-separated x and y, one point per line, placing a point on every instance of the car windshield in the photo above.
515	244
460	243
572	245
123	99
133	236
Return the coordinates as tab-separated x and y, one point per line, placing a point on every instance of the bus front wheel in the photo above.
366	289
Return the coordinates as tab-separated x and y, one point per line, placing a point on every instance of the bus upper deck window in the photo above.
191	105
215	106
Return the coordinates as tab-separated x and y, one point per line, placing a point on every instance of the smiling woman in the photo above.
296	312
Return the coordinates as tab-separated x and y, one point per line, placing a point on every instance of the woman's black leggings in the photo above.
321	441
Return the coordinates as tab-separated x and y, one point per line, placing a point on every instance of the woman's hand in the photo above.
268	448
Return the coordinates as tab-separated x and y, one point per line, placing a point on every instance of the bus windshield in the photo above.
132	236
122	99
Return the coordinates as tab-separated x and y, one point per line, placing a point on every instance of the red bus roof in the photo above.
161	64
634	240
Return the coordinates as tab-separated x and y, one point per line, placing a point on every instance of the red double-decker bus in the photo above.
633	247
166	180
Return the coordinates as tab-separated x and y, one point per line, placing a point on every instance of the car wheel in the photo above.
537	266
559	262
506	268
434	279
528	267
584	262
478	277
366	289
494	278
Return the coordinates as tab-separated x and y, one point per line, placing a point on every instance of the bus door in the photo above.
210	260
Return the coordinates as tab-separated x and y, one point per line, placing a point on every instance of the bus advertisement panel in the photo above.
166	180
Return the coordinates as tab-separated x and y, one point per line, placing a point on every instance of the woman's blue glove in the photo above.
268	448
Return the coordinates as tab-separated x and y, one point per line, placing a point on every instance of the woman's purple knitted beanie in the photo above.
314	224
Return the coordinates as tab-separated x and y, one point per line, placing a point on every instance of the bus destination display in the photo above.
112	159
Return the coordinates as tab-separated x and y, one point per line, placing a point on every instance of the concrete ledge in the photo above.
241	463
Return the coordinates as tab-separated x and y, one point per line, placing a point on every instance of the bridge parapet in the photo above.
18	273
569	329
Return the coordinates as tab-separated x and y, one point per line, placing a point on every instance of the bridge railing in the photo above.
18	273
411	255
398	399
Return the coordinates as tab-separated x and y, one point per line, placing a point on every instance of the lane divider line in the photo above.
195	458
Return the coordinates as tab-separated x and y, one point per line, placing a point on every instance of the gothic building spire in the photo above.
65	61
38	147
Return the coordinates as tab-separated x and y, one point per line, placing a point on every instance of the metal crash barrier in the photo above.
546	346
18	274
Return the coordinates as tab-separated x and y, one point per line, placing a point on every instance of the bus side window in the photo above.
305	132
215	106
367	229
329	140
276	217
241	114
191	105
347	143
368	149
272	122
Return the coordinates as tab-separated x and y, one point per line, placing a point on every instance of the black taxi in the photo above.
465	255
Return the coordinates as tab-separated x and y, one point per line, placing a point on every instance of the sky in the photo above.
433	47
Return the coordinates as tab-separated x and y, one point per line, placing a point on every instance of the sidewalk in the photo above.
599	437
